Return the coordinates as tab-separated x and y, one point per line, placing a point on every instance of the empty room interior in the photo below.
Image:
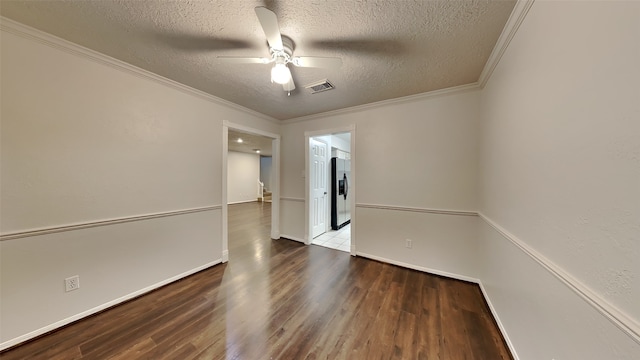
302	179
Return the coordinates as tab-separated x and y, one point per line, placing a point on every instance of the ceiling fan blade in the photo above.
198	43
315	61
379	46
269	22
243	60
290	86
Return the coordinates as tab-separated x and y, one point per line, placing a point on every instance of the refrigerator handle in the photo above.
346	186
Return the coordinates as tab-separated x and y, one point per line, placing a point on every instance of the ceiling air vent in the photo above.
320	86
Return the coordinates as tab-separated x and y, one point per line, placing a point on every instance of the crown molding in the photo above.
27	32
516	18
401	100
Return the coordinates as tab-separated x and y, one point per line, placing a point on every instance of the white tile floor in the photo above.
339	240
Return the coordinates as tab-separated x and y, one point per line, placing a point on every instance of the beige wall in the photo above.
560	172
419	154
87	139
243	173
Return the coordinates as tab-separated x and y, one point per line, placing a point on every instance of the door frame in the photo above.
275	181
308	236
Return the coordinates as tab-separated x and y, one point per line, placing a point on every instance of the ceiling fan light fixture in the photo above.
281	51
280	73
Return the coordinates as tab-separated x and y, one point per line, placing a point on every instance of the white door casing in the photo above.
319	188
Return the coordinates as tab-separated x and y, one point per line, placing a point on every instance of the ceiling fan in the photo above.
281	50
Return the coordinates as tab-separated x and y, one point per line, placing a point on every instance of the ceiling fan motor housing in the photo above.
287	52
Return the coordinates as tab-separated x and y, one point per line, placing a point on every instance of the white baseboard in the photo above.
500	326
242	202
289	237
20	339
419	268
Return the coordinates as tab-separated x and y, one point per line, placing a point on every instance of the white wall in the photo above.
340	144
561	173
265	171
414	155
243	172
87	139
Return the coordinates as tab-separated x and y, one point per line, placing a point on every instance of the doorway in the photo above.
244	150
330	189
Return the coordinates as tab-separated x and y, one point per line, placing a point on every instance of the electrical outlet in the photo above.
72	283
408	244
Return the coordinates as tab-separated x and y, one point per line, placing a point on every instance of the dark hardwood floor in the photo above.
279	299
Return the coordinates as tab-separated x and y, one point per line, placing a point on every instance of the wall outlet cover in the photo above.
72	283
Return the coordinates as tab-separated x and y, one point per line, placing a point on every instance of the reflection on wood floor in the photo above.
279	299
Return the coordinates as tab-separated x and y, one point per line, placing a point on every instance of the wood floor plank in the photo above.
65	354
135	351
454	332
430	334
405	345
281	299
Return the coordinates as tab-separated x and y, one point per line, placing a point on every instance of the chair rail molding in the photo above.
294	199
91	224
621	320
417	209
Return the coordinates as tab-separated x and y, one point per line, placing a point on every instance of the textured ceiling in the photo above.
389	48
250	143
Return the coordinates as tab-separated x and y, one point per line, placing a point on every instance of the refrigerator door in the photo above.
335	189
340	200
347	196
340	177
